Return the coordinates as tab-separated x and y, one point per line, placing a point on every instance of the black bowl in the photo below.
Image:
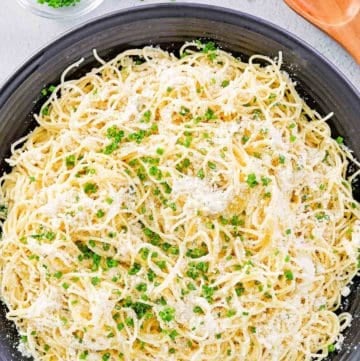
169	26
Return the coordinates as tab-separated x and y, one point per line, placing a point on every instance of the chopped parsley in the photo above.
239	289
115	135
58	3
207	292
161	265
196	252
201	174
129	321
322	216
198	309
197	269
111	263
184	111
265	181
281	159
95	281
208	48
236	221
211	165
45	111
109	200
137	136
167	314
153	237
106	356
146	116
151	275
251	180
70	161
230	313
84	355
141	287
58	274
100	213
339	140
120	326
288	275
3	211
272	96
183	165
209	114
90	188
139	308
134	269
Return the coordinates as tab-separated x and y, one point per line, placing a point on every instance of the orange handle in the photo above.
338	18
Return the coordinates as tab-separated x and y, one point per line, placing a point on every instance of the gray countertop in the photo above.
22	33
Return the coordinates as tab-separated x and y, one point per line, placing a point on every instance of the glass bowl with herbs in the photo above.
60	9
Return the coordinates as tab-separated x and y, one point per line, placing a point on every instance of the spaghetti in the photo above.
190	208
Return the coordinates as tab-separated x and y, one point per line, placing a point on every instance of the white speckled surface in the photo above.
22	33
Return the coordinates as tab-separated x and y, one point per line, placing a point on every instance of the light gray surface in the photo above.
22	33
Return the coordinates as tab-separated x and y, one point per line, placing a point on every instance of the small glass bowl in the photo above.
81	8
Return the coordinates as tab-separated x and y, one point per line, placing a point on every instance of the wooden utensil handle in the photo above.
338	18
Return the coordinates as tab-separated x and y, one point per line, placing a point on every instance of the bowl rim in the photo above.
179	9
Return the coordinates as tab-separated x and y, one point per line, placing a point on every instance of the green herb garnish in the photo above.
58	3
167	314
288	275
251	180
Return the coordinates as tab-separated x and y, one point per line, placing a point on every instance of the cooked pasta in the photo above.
178	208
